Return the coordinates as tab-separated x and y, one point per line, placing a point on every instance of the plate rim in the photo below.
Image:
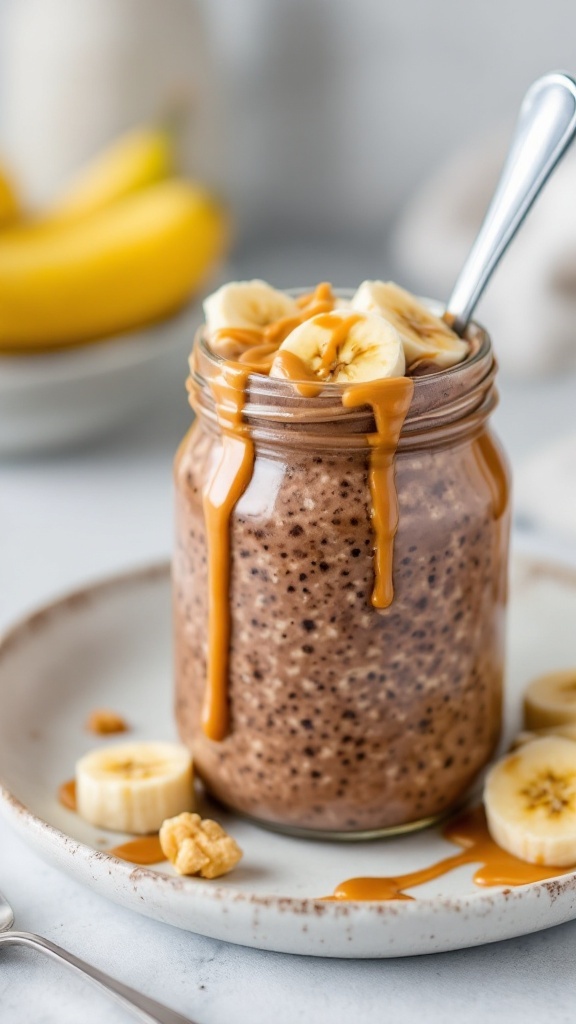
25	820
97	357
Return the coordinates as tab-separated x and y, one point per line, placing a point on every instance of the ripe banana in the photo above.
247	305
551	700
134	787
424	335
9	203
343	347
136	160
123	267
530	801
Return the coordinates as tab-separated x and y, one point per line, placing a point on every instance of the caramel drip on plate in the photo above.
390	400
226	485
144	850
67	794
469	831
104	722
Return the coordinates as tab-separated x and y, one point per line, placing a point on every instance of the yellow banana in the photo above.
9	204
138	159
123	267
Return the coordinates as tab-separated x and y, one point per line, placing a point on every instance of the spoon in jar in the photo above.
545	128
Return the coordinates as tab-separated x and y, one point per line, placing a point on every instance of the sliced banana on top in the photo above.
248	305
134	787
344	347
530	801
551	700
424	335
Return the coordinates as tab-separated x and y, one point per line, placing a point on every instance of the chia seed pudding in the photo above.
347	719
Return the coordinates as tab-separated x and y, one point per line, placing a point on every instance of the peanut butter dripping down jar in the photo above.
389	400
356	685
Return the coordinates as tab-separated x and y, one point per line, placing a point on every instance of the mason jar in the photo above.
345	720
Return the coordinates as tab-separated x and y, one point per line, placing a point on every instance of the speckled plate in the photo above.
110	646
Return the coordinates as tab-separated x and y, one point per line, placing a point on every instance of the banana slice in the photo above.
551	700
530	801
134	787
568	731
248	305
424	335
344	347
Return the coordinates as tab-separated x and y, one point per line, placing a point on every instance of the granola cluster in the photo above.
198	847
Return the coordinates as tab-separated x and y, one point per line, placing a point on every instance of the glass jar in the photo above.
346	720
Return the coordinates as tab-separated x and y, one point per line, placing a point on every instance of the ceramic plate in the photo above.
110	646
73	395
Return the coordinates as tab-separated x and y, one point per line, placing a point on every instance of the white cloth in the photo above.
545	489
530	304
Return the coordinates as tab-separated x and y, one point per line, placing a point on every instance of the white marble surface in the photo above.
64	520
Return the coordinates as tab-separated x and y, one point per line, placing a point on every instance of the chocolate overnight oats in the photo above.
340	570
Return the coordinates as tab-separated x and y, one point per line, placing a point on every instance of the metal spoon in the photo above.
144	1008
545	128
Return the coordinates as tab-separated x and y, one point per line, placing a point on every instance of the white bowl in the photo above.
70	396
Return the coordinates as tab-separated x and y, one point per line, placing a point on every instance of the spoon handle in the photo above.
146	1009
545	128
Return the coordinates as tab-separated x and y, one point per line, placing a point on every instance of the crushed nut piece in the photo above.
104	722
197	847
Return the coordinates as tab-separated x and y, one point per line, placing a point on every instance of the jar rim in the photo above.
462	395
475	333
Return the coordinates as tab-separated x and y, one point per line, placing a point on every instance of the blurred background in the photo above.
349	139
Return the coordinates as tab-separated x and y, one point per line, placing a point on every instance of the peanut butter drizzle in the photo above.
229	479
245	336
390	400
226	484
338	333
232	342
255	350
469	831
291	367
495	477
246	343
67	795
144	850
259	358
322	293
490	464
